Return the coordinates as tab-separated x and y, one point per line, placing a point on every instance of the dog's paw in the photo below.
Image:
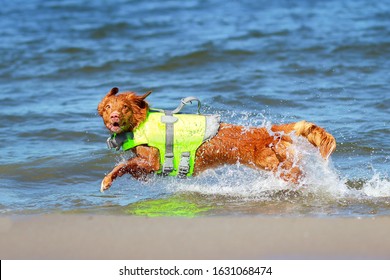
106	184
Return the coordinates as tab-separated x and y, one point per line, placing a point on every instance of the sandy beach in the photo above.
122	237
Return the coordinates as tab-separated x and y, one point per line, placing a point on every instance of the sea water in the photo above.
253	62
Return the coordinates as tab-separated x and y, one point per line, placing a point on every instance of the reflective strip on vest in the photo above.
189	131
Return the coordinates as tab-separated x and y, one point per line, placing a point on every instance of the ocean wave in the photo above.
368	50
261	34
197	58
112	29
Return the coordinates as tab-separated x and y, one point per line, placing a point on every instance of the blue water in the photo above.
253	62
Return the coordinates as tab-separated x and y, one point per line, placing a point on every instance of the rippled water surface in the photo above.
253	62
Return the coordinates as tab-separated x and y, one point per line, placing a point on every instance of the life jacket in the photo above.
177	137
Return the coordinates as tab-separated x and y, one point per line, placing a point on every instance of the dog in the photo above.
256	147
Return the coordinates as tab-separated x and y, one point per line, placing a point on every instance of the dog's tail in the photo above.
317	136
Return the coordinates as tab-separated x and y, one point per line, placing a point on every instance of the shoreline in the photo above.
60	236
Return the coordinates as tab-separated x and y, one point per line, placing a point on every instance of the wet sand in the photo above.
128	237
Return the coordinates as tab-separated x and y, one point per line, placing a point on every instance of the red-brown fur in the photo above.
254	147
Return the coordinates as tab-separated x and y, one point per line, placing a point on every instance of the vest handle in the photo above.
186	101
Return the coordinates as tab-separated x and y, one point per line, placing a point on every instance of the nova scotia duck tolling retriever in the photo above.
183	145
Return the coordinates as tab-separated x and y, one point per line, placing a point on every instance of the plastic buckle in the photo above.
184	165
168	119
112	144
168	164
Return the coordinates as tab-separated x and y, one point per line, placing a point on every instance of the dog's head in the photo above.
123	112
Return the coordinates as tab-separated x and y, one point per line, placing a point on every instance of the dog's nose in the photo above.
114	116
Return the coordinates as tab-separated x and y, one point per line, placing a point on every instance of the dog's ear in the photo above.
140	100
113	91
101	105
143	97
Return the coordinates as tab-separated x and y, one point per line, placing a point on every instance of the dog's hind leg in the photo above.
289	172
286	166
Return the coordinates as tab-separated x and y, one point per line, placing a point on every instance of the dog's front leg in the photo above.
118	171
137	167
146	161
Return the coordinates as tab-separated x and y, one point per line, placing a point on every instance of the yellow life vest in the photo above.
188	134
176	136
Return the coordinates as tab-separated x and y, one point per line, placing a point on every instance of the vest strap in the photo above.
169	121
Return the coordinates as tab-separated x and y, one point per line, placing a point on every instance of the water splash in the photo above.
377	186
240	189
320	178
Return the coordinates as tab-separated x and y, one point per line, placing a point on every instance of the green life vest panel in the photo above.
188	134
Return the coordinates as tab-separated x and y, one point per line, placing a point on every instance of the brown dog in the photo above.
255	147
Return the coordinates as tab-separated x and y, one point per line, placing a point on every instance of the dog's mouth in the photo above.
115	127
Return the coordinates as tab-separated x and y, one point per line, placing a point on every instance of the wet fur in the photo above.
255	147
